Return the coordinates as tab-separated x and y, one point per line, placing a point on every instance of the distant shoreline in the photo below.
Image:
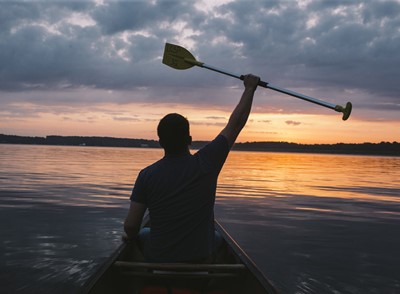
383	148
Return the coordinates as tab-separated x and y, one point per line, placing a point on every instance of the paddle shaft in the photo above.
180	58
269	86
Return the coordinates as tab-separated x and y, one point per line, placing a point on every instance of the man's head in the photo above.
173	132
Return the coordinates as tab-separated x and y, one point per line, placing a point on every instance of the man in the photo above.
179	190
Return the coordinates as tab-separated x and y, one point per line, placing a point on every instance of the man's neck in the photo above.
178	154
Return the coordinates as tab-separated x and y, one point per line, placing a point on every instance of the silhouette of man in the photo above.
179	189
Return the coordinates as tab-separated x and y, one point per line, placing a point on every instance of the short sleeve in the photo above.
214	154
138	191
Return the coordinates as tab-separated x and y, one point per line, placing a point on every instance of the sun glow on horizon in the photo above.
140	121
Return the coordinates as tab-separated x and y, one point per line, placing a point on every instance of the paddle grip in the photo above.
260	83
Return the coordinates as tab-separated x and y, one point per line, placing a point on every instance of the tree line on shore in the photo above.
382	148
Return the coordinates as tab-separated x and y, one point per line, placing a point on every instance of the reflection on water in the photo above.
312	223
44	173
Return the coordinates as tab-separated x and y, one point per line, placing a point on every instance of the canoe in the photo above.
127	272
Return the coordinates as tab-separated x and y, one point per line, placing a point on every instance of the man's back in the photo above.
179	192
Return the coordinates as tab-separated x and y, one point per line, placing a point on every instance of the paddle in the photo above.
179	58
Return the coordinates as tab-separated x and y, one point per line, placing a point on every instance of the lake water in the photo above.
312	223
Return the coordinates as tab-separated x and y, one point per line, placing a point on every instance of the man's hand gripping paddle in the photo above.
179	58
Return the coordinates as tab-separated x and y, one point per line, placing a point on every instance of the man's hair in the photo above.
173	132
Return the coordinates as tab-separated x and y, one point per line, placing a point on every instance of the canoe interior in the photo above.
127	272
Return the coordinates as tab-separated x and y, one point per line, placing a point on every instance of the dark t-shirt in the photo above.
180	194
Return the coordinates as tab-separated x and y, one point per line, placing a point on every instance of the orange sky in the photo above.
140	121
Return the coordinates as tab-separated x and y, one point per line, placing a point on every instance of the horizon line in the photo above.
244	142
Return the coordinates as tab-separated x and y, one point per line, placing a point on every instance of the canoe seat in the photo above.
180	270
161	290
181	278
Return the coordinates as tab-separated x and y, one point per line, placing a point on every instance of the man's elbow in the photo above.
131	229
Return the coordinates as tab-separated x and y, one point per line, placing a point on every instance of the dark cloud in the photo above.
292	123
216	117
126	118
114	17
205	123
328	44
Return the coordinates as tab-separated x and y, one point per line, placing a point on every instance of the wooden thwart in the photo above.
181	275
180	266
180	270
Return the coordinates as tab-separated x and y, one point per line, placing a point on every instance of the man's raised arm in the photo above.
241	113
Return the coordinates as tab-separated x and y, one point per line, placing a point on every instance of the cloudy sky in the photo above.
94	67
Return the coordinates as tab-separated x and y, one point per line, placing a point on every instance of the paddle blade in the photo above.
178	57
347	111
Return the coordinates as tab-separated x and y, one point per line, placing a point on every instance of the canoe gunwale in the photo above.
103	268
247	261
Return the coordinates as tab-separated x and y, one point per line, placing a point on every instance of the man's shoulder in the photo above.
219	142
151	168
213	155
